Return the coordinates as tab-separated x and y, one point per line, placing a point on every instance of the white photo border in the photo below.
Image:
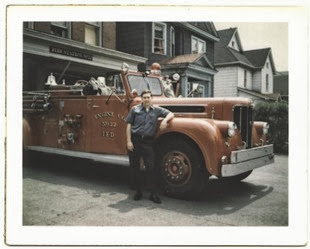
293	234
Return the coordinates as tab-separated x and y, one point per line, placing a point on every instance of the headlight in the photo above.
232	129
265	128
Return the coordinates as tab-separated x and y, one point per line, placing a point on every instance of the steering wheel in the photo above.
81	83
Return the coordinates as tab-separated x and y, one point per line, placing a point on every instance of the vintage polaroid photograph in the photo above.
136	126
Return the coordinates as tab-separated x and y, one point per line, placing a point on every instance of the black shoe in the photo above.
138	196
155	198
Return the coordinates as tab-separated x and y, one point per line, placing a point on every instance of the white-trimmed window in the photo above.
198	45
29	25
172	41
267	83
245	79
159	38
233	44
267	65
93	33
61	29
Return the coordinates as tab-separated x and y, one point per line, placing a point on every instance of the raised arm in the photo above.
166	120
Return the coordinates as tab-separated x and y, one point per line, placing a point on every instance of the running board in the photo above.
104	158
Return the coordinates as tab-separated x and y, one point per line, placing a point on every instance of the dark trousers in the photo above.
143	148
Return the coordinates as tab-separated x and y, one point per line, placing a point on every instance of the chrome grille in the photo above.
243	117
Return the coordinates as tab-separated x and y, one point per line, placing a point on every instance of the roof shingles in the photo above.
258	56
181	59
225	55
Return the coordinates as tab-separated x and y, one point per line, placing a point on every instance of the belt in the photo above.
142	137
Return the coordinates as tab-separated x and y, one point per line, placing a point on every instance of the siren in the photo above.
156	68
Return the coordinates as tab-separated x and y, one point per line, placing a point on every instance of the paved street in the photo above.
77	192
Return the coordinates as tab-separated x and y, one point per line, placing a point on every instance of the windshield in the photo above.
140	83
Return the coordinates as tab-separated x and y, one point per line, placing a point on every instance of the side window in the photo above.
198	45
159	38
93	33
172	42
61	29
29	25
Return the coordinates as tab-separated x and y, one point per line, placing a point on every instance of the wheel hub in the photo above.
177	168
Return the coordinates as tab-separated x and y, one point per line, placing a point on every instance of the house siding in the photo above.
210	51
136	38
130	38
187	42
257	81
225	82
43	26
78	31
109	35
179	45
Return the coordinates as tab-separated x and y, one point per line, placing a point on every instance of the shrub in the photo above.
276	114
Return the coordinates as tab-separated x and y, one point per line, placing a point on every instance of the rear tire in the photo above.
181	168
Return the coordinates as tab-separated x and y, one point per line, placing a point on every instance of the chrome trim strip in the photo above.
238	168
248	154
104	158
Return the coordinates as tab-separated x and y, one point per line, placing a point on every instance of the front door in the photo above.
107	123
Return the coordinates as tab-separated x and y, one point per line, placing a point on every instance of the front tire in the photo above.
237	178
182	168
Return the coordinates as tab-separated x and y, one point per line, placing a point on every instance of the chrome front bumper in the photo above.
249	159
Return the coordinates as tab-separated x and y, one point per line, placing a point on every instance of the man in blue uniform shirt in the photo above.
141	129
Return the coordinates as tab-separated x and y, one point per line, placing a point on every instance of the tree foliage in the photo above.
276	114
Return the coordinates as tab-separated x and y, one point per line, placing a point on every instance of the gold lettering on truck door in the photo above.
104	115
108	134
108	124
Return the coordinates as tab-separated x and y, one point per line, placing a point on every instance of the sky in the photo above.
263	35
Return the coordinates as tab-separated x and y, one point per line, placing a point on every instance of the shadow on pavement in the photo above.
217	198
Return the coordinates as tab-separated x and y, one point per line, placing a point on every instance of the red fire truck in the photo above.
207	137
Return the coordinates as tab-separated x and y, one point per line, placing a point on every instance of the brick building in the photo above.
71	51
